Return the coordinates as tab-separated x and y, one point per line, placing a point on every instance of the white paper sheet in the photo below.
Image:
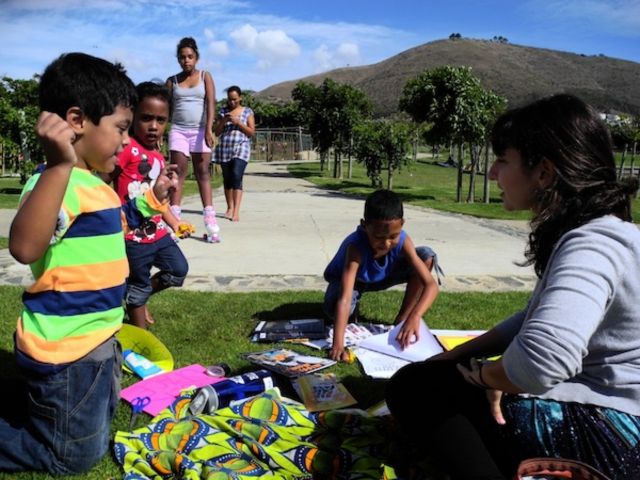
426	346
378	365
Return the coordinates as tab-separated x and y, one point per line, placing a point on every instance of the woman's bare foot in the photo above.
235	218
228	214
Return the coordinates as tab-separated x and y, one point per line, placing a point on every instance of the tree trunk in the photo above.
460	171
350	158
485	193
633	158
624	152
389	177
335	163
475	156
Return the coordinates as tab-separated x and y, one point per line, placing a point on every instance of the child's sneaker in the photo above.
211	224
176	210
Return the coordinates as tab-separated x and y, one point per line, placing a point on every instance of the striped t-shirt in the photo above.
75	303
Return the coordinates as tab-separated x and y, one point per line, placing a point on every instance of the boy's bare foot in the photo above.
147	316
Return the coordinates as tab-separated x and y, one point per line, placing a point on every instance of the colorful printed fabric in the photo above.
267	436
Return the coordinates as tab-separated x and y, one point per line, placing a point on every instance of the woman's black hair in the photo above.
188	42
571	135
234	88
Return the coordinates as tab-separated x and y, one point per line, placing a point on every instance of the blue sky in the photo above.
255	44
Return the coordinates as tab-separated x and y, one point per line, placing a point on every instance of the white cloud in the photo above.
219	48
208	34
322	58
271	47
348	52
345	54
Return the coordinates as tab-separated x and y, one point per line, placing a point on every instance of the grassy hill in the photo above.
517	72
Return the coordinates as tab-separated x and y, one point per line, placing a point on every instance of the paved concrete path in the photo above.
289	230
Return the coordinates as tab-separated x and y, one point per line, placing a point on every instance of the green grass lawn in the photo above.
422	184
208	328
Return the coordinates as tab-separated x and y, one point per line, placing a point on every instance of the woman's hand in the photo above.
209	140
494	397
473	375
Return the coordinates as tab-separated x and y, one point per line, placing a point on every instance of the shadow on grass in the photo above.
292	311
10	191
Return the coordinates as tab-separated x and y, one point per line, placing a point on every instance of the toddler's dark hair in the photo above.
152	89
94	85
188	42
383	205
234	88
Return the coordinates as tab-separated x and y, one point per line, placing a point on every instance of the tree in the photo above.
625	134
459	110
18	116
271	114
381	145
330	112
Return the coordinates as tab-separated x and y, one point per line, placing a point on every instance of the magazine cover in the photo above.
278	330
287	362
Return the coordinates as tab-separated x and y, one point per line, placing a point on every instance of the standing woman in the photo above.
235	126
567	383
193	110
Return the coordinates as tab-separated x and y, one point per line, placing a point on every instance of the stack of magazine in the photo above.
280	330
287	362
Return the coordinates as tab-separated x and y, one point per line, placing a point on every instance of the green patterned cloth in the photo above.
267	436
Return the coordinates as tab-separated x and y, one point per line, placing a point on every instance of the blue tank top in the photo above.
370	270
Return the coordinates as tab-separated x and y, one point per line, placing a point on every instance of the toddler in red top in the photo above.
152	244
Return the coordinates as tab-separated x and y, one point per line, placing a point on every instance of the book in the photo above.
322	391
287	362
354	333
278	330
450	339
426	346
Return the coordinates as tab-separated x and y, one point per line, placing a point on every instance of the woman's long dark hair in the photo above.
567	132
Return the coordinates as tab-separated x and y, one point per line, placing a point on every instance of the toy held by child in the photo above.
379	255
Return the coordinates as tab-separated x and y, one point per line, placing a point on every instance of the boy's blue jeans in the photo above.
62	422
399	274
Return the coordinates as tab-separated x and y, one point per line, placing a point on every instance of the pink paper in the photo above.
164	389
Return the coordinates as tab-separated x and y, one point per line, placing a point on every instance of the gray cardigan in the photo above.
578	340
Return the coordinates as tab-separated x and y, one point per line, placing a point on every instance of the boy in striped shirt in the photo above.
69	229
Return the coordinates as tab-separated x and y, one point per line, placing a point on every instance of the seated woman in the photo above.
567	383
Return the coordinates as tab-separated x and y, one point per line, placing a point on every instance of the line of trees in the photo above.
443	107
19	148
